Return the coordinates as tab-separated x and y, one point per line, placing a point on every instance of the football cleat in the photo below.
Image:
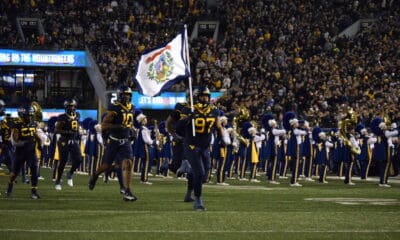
188	198
200	208
128	196
58	187
34	194
70	182
9	190
198	204
92	182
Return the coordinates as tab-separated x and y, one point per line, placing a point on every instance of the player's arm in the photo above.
59	128
169	123
218	127
44	139
108	121
15	138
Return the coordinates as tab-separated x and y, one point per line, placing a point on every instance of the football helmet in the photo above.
124	95
26	112
70	106
204	95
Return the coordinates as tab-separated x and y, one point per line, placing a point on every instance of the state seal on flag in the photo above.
160	69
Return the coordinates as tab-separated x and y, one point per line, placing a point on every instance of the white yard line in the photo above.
198	231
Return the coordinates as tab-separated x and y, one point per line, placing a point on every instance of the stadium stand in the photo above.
269	55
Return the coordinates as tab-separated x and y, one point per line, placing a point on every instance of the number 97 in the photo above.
203	124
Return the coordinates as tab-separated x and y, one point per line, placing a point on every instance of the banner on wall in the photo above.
50	112
165	101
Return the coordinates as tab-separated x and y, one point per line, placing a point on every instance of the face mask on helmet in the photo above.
70	106
204	96
125	95
26	113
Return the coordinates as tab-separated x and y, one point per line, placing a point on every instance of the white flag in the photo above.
162	67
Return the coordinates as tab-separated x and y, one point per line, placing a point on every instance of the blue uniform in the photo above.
145	152
197	146
348	161
26	152
308	161
321	159
118	142
221	157
68	145
364	157
381	154
181	111
7	150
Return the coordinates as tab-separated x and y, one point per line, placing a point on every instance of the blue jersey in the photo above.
26	134
321	155
292	150
379	152
5	131
204	120
180	112
123	115
69	126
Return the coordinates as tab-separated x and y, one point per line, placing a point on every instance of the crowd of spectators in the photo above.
284	55
270	55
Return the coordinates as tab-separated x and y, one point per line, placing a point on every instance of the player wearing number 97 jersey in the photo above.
118	123
67	132
197	146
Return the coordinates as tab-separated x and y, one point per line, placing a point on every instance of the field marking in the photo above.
358	201
68	211
244	187
198	231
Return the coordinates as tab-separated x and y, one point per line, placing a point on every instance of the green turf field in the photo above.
242	210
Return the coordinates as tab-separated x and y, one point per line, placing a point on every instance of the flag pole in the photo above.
190	78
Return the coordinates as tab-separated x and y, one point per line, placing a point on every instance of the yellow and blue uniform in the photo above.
26	152
197	145
6	148
118	126
118	142
145	147
181	110
364	157
67	126
24	137
165	152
